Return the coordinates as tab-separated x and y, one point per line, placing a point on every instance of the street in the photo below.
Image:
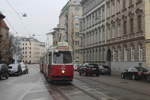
33	86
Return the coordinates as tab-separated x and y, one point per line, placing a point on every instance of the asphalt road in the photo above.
25	87
33	86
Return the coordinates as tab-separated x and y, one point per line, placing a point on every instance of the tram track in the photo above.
58	92
94	83
100	96
86	92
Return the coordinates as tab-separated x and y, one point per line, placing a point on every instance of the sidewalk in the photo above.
116	74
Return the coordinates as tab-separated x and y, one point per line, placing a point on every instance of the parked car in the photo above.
15	69
89	69
78	68
75	66
136	73
105	70
24	68
4	71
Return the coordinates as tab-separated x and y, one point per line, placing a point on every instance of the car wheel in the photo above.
109	73
86	74
6	75
122	76
97	74
80	73
27	72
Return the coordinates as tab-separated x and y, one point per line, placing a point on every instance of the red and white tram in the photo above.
57	65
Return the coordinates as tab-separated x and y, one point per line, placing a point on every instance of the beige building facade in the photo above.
115	32
32	50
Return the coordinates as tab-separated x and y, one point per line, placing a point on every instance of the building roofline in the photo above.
65	7
68	4
2	16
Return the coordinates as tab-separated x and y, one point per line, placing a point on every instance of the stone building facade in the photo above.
113	32
5	45
69	26
32	50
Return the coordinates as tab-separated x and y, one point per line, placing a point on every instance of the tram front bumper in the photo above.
67	78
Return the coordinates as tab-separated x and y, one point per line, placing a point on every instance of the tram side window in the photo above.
50	58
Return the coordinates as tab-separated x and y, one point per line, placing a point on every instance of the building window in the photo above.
139	1
124	4
130	2
77	34
118	5
118	29
113	30
108	9
119	54
125	54
132	25
113	55
125	27
132	53
140	50
139	23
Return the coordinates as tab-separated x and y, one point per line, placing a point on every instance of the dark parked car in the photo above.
105	70
76	66
136	73
89	69
4	71
79	67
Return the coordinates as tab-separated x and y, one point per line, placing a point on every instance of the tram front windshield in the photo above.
62	57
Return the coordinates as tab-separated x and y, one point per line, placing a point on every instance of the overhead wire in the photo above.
17	13
11	25
13	9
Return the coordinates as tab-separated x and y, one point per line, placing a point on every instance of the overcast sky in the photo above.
42	16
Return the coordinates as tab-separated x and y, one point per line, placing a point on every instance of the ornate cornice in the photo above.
147	41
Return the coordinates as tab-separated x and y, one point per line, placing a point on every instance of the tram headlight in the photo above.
63	71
